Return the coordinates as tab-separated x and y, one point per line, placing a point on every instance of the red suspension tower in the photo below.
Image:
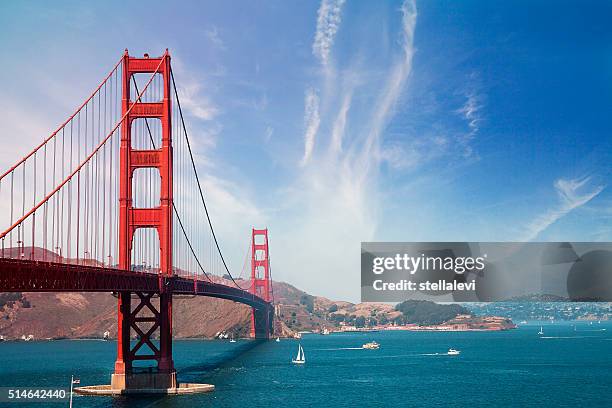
261	320
137	311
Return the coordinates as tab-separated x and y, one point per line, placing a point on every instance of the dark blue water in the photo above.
565	368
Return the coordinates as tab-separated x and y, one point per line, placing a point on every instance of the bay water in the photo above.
570	365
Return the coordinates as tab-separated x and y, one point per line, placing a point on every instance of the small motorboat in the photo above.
278	340
300	358
453	352
232	339
371	346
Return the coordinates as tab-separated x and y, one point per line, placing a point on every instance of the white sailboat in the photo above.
300	358
541	332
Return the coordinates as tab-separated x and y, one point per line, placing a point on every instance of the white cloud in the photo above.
470	111
340	123
214	38
395	84
328	23
334	203
572	194
232	210
268	134
400	157
312	120
231	204
195	103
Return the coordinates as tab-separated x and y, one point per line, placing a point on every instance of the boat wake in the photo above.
436	354
567	337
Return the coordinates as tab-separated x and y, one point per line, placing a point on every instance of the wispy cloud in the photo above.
195	102
268	134
396	81
334	202
340	123
403	156
215	40
573	194
233	211
329	17
201	112
328	22
471	112
231	203
312	120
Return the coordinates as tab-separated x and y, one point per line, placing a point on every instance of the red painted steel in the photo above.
260	278
23	275
144	299
160	218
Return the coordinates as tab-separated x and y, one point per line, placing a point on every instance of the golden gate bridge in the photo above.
111	201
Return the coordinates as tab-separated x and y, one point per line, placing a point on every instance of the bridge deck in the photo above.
17	275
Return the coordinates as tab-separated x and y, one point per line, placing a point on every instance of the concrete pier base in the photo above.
144	383
107	390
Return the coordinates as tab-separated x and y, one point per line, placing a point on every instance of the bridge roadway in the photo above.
20	275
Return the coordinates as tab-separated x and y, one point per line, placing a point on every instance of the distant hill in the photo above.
423	312
89	315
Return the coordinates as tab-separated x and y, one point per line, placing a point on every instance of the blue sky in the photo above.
339	122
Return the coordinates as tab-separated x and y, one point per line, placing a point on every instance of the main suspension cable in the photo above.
173	205
198	182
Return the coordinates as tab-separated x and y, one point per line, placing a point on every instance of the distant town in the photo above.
464	322
545	310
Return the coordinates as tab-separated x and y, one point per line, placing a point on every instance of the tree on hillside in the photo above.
307	301
426	312
337	318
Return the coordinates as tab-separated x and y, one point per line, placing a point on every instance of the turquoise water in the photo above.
566	368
